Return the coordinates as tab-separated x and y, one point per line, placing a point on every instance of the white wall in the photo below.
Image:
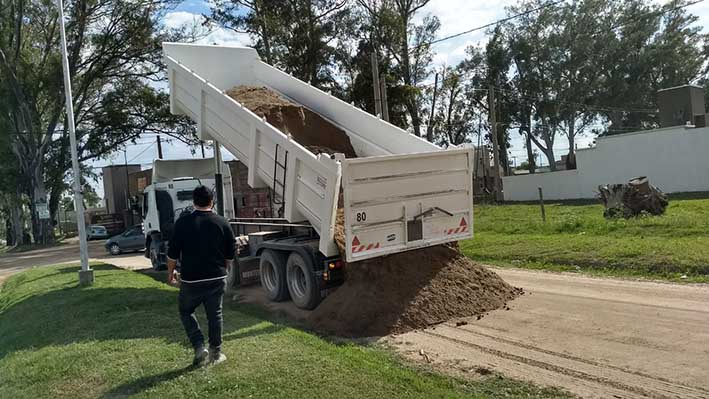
675	159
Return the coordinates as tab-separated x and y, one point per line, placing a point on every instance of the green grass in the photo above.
576	237
122	338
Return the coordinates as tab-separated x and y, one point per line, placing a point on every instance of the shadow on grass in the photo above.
145	383
74	314
118	306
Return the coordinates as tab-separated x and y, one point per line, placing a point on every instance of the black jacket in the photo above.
205	241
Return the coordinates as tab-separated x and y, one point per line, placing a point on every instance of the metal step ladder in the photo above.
278	198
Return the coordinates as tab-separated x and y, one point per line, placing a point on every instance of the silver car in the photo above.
96	232
130	240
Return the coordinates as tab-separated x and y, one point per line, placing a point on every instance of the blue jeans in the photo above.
211	294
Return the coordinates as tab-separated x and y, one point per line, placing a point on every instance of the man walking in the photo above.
206	244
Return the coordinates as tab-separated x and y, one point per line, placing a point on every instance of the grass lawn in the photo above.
122	338
576	237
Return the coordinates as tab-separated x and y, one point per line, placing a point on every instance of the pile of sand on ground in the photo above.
410	290
307	127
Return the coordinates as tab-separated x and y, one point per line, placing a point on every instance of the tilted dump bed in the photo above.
400	193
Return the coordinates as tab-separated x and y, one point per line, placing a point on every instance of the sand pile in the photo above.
410	290
307	128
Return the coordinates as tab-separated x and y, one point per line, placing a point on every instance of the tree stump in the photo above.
637	197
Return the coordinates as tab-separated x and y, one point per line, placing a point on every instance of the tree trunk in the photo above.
412	107
55	194
635	198
412	101
504	156
16	219
429	128
549	152
531	162
42	229
571	156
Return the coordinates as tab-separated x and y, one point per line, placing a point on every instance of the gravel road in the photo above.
598	338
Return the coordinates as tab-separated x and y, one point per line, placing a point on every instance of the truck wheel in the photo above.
272	268
302	285
155	256
232	276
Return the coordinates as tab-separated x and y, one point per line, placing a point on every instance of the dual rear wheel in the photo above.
289	275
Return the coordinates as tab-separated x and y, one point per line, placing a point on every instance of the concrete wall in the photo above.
675	159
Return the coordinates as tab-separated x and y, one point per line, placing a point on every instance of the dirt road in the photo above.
597	338
11	263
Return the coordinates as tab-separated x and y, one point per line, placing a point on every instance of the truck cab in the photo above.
169	197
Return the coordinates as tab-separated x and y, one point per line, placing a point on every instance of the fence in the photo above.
675	159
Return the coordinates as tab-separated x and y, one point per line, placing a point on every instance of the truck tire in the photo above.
302	284
155	260
233	275
272	269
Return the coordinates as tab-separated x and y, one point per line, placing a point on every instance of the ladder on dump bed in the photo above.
275	195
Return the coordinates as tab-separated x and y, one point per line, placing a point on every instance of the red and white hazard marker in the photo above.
462	228
358	247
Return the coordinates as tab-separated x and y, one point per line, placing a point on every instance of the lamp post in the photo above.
86	275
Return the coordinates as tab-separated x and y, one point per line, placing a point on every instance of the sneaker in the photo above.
200	356
216	357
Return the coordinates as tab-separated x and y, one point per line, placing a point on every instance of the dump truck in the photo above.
400	192
170	195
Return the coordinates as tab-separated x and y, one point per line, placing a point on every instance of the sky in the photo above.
455	16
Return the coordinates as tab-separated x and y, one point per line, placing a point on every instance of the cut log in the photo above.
637	197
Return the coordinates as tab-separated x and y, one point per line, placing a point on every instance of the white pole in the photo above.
219	183
85	275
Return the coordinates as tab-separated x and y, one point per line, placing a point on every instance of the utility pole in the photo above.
218	178
86	275
159	148
201	144
375	84
128	207
385	104
495	145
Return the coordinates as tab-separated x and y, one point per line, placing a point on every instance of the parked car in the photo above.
96	232
130	240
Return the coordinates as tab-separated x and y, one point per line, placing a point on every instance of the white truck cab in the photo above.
170	196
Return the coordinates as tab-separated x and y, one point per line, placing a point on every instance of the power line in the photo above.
580	105
141	153
499	21
485	68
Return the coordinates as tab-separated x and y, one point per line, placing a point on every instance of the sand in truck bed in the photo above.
305	126
389	294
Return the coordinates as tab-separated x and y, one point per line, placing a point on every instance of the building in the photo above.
674	157
248	202
115	186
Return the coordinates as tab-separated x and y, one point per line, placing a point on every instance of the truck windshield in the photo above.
184	195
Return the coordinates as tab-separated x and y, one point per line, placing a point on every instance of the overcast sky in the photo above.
455	16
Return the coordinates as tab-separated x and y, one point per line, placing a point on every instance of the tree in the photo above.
360	92
10	191
407	44
652	47
297	36
591	59
114	51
